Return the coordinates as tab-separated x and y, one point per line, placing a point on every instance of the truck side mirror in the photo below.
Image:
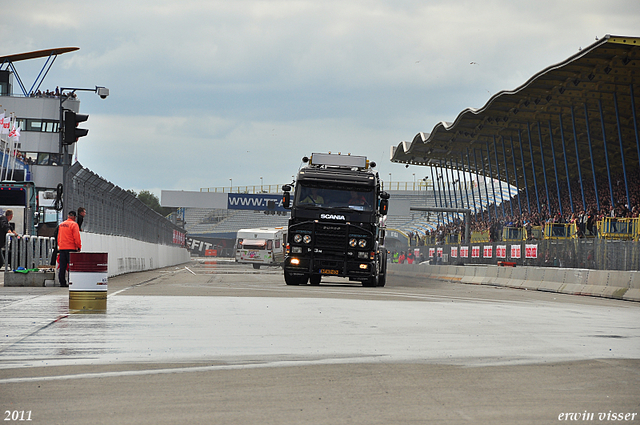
286	200
384	206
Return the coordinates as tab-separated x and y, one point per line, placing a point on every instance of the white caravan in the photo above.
263	246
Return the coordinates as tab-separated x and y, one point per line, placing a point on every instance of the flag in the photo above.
6	124
15	132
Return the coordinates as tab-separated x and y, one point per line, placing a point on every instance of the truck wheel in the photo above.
256	266
315	280
382	279
372	282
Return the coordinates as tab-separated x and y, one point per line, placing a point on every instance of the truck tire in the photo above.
315	279
382	279
256	266
372	282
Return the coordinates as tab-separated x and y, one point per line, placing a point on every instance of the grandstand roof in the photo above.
596	82
37	54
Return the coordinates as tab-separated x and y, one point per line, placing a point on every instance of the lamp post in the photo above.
63	149
230	185
261	190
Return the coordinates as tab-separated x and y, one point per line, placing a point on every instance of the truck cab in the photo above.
337	224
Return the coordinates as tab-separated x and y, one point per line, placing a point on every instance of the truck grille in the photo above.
331	237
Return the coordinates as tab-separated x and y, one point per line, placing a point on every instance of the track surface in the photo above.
213	342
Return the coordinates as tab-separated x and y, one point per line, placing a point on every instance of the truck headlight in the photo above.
362	243
363	254
306	239
297	238
296	250
352	242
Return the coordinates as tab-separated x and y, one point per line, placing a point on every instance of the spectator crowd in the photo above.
495	217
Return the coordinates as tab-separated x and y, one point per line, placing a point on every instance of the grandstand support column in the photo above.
515	173
524	172
486	191
555	167
448	187
455	200
464	176
493	185
566	164
435	197
624	167
445	189
495	152
606	153
533	168
473	196
575	139
593	167
439	177
544	170
506	170
635	120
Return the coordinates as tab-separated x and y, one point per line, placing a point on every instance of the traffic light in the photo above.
71	130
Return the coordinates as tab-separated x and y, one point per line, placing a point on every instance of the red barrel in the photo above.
91	262
88	281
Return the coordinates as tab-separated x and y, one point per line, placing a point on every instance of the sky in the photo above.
213	93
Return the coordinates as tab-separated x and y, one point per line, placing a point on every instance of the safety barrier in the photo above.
28	252
623	285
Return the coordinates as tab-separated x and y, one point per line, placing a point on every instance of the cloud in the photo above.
202	92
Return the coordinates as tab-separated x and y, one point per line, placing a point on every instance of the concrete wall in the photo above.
599	283
129	255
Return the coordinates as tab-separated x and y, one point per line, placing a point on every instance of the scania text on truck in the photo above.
337	223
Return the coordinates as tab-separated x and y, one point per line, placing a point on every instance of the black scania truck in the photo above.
337	223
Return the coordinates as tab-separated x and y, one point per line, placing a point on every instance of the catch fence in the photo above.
114	211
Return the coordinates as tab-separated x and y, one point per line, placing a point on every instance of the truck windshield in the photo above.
359	199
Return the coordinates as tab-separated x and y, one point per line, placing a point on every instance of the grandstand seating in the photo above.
215	221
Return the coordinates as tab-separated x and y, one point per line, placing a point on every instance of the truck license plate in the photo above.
328	271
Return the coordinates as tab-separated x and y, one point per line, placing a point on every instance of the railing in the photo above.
619	228
535	233
452	239
277	188
513	234
559	231
255	189
483	236
29	252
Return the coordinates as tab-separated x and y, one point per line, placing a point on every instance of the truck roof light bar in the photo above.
327	159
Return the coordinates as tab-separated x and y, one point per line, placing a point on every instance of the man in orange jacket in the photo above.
68	241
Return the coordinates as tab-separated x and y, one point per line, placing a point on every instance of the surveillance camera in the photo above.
103	92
